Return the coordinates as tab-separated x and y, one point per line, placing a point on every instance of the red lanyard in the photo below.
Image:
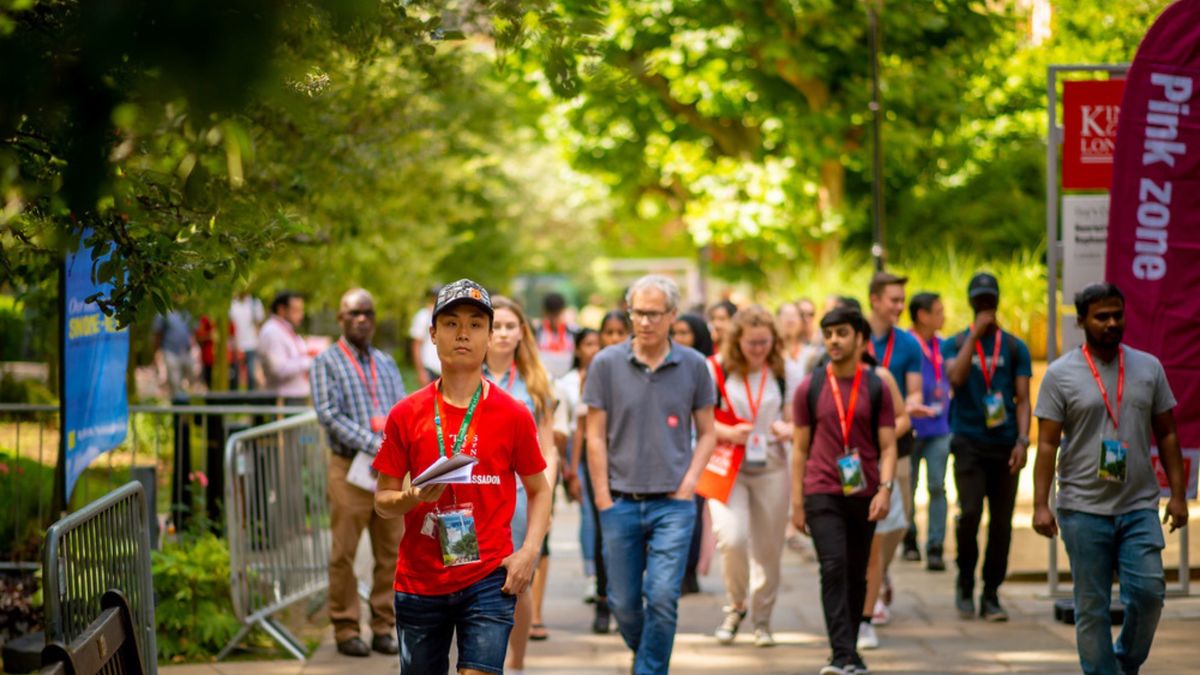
552	342
989	373
756	404
373	387
1113	415
935	357
846	419
887	355
512	377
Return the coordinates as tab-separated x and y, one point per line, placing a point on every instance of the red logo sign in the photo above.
672	421
1090	111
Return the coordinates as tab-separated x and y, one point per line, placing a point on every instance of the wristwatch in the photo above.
889	484
1023	440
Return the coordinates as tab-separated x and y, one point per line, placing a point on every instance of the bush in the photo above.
194	614
12	329
27	485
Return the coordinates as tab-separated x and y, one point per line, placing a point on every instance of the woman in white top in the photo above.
795	331
750	527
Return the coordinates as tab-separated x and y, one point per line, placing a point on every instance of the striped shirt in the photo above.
343	399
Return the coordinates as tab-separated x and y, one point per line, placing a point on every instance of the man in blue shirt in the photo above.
989	417
932	433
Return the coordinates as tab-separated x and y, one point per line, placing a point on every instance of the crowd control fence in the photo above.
277	523
105	545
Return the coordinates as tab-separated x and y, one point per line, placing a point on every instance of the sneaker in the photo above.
838	667
867	638
882	616
589	590
858	667
990	609
600	624
763	637
911	552
965	603
729	627
934	561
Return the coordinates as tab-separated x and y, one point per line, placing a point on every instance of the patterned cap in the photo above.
463	290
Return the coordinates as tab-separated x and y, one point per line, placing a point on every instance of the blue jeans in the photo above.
936	453
645	551
480	613
1132	544
587	523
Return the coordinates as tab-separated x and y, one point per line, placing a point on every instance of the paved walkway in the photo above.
924	637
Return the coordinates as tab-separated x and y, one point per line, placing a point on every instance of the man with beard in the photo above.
1101	402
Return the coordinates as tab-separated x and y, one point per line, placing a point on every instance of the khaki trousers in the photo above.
750	532
352	509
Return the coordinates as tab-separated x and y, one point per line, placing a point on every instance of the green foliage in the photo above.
194	613
26	485
12	329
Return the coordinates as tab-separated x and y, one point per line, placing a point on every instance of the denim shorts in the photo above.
480	613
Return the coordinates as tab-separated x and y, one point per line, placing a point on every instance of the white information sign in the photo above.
1085	236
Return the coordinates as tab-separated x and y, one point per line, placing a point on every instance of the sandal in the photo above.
538	632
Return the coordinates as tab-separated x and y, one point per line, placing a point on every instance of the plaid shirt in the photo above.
343	400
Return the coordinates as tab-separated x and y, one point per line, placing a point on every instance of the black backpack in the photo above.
875	391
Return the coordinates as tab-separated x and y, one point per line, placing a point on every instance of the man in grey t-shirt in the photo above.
643	397
1101	403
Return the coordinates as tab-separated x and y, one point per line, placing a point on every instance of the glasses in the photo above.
356	313
651	316
807	315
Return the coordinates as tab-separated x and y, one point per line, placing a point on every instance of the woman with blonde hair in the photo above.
513	364
753	413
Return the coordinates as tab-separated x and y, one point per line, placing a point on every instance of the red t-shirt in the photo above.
506	443
821	475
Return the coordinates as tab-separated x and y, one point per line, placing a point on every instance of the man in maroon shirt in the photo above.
842	474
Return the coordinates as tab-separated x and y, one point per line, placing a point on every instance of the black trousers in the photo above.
842	536
981	472
601	570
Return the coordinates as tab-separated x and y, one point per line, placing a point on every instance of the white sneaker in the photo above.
867	639
763	637
729	627
882	615
589	590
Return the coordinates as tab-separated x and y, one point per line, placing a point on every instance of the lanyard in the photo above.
552	342
887	355
464	429
511	377
373	387
989	373
935	357
762	386
846	419
1112	414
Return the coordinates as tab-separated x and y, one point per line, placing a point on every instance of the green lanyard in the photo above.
463	429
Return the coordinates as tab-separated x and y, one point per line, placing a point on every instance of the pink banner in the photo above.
1154	217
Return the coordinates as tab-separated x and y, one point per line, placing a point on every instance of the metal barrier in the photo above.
277	523
102	546
108	646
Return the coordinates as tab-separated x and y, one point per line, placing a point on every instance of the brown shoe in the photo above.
353	647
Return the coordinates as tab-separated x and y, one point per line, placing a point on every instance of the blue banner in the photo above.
95	357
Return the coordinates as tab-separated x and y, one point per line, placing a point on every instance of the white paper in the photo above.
361	474
454	470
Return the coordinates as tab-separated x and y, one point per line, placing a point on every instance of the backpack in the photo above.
875	390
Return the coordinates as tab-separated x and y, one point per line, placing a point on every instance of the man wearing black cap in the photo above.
457	571
989	417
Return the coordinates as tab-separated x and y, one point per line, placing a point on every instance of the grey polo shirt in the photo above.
649	414
1069	395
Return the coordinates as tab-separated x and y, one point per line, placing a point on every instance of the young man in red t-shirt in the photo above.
457	569
842	476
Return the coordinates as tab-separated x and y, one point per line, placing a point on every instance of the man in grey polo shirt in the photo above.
643	397
1101	403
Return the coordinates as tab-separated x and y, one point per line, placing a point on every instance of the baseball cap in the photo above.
983	284
463	291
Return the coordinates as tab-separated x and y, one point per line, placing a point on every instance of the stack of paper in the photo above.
452	470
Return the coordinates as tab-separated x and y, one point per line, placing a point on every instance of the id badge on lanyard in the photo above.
850	470
993	404
454	528
756	449
993	401
1114	452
